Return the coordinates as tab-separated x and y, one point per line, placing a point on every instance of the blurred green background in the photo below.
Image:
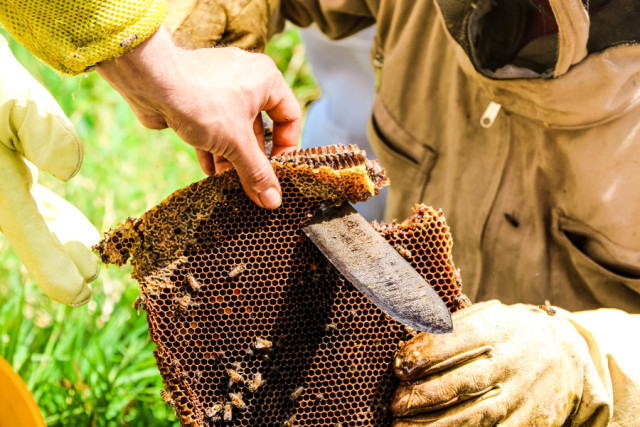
93	365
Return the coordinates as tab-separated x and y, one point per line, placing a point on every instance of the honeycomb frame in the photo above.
252	325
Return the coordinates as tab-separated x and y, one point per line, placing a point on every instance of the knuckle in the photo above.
265	60
226	149
262	175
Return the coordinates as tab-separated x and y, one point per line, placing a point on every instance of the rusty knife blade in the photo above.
376	269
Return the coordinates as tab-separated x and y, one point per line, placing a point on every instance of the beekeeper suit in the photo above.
519	120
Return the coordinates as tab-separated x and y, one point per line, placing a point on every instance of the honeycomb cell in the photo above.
251	323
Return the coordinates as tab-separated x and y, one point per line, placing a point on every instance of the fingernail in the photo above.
270	198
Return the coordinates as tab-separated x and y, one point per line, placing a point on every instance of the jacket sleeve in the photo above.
336	18
612	338
73	35
248	24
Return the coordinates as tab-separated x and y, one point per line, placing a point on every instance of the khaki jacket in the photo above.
545	202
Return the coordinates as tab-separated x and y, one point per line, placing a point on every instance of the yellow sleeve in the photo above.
73	35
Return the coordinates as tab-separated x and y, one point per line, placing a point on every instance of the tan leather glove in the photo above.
513	365
246	24
33	127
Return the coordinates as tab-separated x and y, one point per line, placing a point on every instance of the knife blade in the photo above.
376	269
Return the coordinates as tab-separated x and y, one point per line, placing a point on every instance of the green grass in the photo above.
93	365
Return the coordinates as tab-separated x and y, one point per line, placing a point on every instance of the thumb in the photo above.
256	174
32	122
41	253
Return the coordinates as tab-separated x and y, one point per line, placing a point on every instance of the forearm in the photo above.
84	32
135	73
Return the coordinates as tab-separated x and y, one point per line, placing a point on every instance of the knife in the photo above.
377	270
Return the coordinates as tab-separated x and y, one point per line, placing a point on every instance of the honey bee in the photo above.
410	332
167	398
296	393
548	308
193	283
330	327
128	40
403	251
319	397
237	270
139	303
184	302
213	355
213	411
228	412
289	422
461	301
234	376
255	383
262	344
236	400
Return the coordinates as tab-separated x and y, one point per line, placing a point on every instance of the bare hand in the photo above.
212	98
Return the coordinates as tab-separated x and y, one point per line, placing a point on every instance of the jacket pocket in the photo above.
610	271
406	162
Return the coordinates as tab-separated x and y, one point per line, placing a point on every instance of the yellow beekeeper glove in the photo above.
33	127
516	365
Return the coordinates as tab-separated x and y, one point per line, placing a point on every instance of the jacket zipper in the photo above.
490	114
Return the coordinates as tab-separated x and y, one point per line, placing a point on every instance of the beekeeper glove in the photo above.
33	127
246	24
509	365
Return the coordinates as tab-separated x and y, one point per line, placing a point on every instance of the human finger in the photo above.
221	163
256	173
258	131
205	159
283	108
